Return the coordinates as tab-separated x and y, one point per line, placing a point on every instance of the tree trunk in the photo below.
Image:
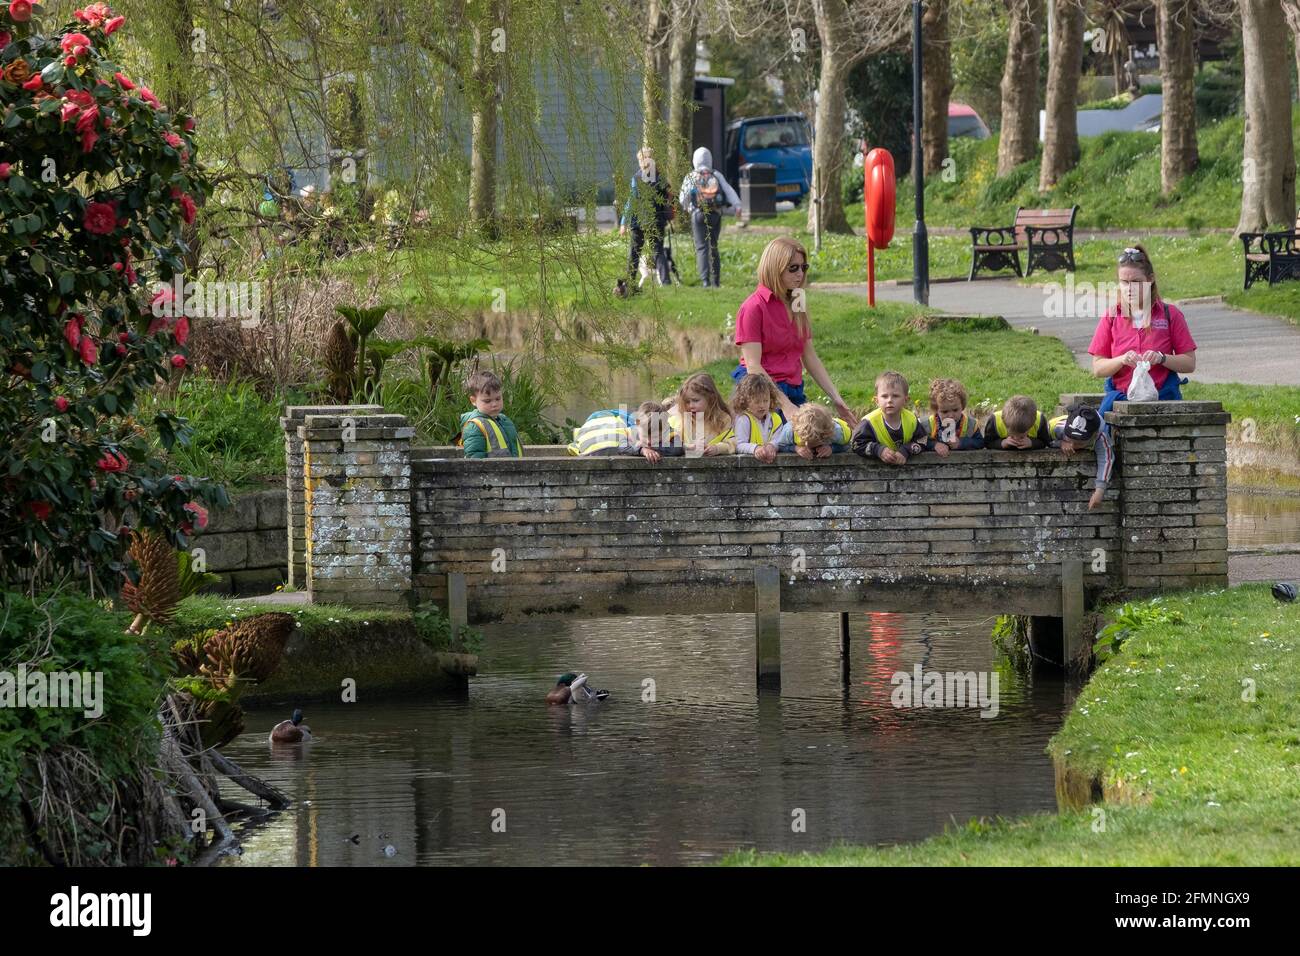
483	92
681	89
654	67
1020	85
936	63
1178	150
833	30
1065	63
1268	171
1292	10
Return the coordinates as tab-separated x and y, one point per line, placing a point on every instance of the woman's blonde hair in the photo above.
717	415
776	258
1137	256
749	389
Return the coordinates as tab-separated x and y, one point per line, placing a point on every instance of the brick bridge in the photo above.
373	520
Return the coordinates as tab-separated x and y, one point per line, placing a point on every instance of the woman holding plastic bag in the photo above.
1142	345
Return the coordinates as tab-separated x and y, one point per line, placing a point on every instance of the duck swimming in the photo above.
572	689
291	731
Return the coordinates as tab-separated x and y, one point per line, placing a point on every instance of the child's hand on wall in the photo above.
823	451
1095	500
650	455
710	451
892	456
1011	442
803	451
1067	447
941	449
765	453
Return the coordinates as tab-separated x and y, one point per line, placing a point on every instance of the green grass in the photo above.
1210	778
201	612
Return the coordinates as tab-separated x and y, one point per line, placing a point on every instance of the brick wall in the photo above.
245	543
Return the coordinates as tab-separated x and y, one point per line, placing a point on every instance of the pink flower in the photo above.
4	170
77	44
5	38
189	124
100	218
61	403
88	140
89	350
174	141
34	82
181	330
161	300
147	95
157	325
72	330
187	209
113	462
178	361
112	25
123	81
20	11
200	514
94	14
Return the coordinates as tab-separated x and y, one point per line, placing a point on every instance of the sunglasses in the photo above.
1132	255
796	267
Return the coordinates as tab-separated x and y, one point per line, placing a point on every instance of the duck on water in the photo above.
291	731
572	689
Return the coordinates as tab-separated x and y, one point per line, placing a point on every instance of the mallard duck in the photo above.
572	689
291	731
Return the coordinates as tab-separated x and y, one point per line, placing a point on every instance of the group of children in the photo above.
697	421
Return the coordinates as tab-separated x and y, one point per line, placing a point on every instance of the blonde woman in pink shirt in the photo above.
1141	327
773	331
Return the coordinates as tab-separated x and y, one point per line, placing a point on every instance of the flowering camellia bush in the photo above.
97	178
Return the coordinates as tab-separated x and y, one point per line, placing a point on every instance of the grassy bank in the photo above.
1193	773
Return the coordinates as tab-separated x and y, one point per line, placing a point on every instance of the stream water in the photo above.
496	776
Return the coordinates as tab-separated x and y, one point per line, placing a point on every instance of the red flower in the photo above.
147	95
4	170
187	208
182	330
72	330
88	350
88	139
61	403
162	300
189	124
94	15
121	350
75	43
200	514
178	361
174	141
5	38
20	11
123	81
112	25
100	218
157	325
34	82
113	462
40	510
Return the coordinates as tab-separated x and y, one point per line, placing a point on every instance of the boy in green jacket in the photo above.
486	432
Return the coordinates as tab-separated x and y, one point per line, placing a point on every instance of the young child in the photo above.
1017	426
891	432
613	431
486	432
1080	428
702	418
950	427
754	403
811	432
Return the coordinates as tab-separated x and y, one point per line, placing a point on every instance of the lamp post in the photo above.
920	239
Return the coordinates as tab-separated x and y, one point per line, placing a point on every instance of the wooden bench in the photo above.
1047	235
1272	255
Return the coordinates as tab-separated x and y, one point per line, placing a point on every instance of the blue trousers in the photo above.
792	392
1171	391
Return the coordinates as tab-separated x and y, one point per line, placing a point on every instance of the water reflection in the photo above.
682	764
1260	520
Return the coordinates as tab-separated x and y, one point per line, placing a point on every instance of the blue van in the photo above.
783	141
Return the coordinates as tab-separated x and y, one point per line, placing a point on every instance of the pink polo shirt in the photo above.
763	318
1167	333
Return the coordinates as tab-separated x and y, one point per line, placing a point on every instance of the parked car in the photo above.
783	141
964	121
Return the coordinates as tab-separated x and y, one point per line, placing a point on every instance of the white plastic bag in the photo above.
1140	387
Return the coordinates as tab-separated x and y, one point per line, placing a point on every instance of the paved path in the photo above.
1232	345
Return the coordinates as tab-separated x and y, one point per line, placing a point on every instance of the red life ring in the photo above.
880	197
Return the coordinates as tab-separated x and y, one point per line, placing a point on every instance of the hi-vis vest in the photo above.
675	423
602	430
756	427
936	427
877	422
1059	420
1002	426
491	430
842	435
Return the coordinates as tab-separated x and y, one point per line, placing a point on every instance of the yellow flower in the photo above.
1182	770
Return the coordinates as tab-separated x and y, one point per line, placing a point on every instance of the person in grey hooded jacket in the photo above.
705	193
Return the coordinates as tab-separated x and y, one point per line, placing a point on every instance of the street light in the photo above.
920	240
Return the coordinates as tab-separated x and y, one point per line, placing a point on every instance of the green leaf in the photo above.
67	281
37	262
156	229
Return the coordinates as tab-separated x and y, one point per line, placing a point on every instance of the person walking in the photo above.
647	211
705	193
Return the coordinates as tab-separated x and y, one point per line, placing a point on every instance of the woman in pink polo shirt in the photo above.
1141	327
773	331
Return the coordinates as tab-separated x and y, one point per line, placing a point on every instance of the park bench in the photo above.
1272	255
1046	235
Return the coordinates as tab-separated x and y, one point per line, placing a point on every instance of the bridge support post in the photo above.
844	647
457	603
1074	642
767	627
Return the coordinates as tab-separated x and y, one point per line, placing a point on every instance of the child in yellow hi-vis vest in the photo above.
891	433
755	405
486	432
812	432
702	418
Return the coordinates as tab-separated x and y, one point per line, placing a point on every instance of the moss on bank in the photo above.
1194	771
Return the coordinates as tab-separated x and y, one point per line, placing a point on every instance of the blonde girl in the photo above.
702	418
755	403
